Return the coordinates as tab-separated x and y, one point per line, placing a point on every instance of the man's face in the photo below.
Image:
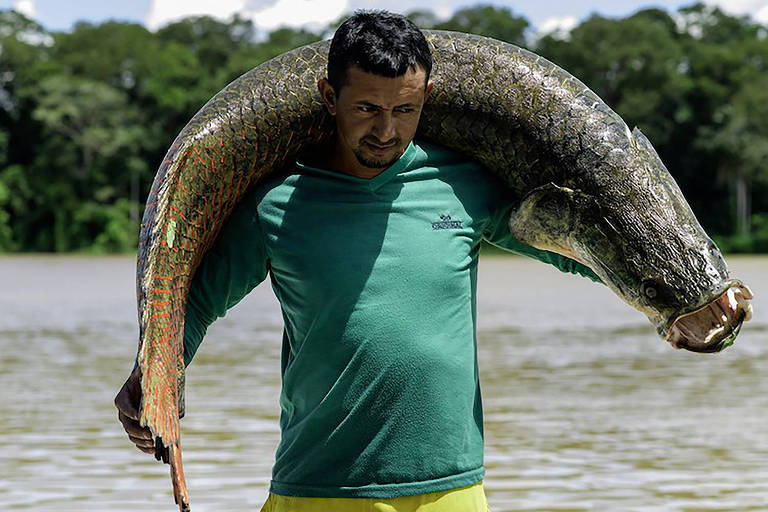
376	117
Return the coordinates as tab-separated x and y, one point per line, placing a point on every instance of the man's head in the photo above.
378	80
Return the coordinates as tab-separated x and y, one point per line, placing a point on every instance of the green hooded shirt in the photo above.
377	281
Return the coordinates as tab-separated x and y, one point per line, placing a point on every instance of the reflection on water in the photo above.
585	409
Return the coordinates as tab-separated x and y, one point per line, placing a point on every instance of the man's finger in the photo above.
128	398
141	442
125	403
133	427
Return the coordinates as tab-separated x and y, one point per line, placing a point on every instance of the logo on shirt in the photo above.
445	222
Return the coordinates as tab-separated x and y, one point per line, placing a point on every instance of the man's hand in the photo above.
127	402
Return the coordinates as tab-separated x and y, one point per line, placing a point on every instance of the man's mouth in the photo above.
380	147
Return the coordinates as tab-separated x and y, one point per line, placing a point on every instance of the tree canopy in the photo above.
87	115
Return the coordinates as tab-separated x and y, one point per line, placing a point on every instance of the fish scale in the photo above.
538	128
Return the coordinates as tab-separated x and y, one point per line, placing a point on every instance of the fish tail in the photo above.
180	494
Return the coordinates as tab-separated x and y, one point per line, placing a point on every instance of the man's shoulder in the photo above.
455	167
431	154
471	180
269	189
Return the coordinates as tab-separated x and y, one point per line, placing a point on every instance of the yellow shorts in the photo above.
465	499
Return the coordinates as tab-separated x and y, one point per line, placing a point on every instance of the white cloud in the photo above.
26	7
762	15
162	12
443	11
738	6
298	13
559	24
758	9
441	8
278	13
33	37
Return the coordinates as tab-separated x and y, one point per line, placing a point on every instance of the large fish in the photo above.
586	187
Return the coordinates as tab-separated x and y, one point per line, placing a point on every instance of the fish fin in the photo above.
161	451
181	387
641	141
545	218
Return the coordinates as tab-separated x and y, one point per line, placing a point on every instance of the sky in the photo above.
545	15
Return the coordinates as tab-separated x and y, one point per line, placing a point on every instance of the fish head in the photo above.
628	221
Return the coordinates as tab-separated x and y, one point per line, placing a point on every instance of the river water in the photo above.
585	409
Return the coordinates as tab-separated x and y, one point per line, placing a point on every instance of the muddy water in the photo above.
584	408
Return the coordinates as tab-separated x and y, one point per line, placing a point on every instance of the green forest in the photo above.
87	115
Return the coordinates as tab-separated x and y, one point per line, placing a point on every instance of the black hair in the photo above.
379	42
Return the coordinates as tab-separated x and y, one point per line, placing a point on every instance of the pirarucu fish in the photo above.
587	188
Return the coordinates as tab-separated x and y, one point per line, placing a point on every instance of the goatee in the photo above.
372	162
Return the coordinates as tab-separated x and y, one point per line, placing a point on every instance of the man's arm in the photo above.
235	264
233	267
497	233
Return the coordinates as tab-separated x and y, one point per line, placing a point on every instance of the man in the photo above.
372	250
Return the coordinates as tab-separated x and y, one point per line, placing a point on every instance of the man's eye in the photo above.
366	108
405	110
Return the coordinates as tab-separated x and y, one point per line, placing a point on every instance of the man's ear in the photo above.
327	94
430	85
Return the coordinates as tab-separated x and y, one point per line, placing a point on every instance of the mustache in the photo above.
377	142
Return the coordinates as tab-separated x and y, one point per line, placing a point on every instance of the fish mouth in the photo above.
714	326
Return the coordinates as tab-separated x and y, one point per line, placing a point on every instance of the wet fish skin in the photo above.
249	130
588	188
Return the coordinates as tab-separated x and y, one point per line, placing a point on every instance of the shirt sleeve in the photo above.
234	265
497	233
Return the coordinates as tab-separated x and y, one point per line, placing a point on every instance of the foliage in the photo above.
490	21
756	242
87	115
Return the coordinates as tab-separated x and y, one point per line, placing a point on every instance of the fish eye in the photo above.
649	289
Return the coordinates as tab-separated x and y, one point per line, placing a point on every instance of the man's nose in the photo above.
384	126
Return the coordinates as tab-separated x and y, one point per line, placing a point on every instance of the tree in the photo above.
650	72
212	41
708	24
423	18
25	59
86	116
118	54
95	117
738	141
728	65
633	64
487	20
105	132
162	78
